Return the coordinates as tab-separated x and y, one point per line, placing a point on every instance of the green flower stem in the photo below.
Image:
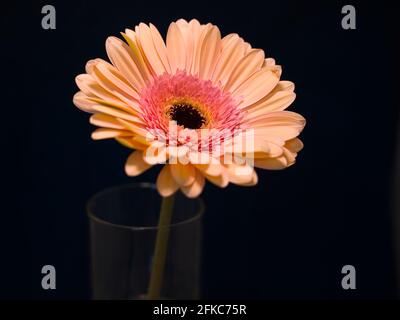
160	252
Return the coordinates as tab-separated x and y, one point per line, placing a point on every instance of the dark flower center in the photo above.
186	115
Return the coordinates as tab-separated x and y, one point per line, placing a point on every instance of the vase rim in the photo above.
151	186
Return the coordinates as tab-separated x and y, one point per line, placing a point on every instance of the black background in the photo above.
286	238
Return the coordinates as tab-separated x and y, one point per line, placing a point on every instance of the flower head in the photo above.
207	107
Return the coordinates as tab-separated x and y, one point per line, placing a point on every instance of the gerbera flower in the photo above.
155	96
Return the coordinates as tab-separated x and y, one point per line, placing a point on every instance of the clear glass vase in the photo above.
123	228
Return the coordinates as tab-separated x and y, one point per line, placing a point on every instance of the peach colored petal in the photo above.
257	144
156	153
184	175
199	157
131	143
210	50
285	85
261	148
285	160
166	185
269	64
204	163
91	88
272	132
178	154
275	149
113	104
278	99
247	181
232	51
277	119
256	87
82	102
290	157
195	188
105	121
221	180
239	174
135	128
150	49
262	145
111	80
95	86
117	113
248	65
105	133
198	44
122	58
190	32
131	37
144	140
176	48
89	66
294	145
195	31
97	93
211	169
247	47
160	46
253	181
227	39
271	163
135	165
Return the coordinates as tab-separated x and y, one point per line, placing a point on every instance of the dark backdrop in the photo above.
289	236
